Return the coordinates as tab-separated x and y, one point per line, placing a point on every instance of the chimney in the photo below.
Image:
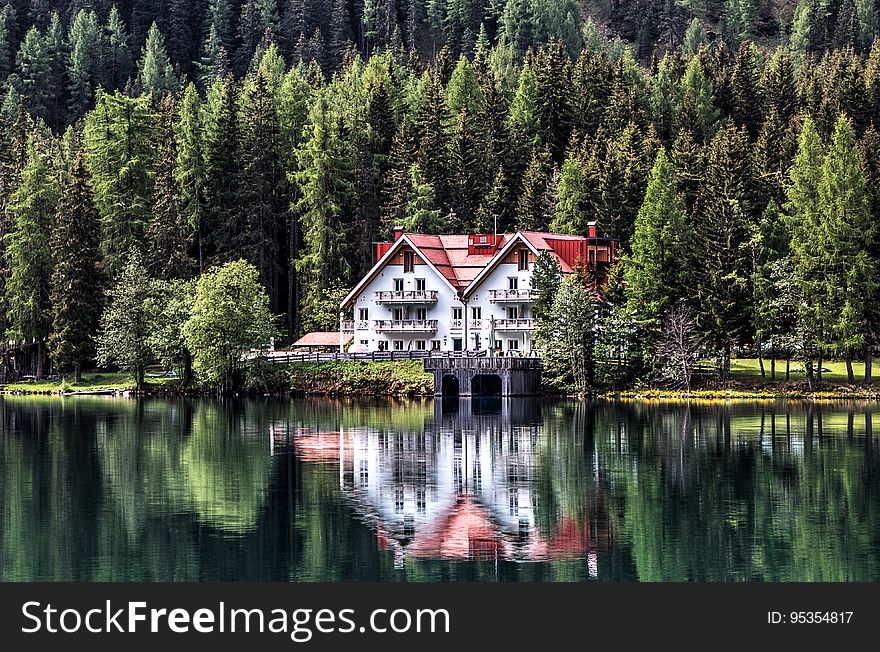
398	232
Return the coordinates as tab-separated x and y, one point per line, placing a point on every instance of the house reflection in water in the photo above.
462	488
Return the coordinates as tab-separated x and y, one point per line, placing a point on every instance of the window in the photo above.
476	312
456	313
435	345
456	344
484	239
512	312
363	314
420	284
422	314
513	345
398	285
512	283
522	259
364	342
408	261
398	345
420	345
397	314
497	345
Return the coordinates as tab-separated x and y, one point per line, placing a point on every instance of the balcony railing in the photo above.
476	324
347	326
456	324
514	324
512	296
405	325
406	296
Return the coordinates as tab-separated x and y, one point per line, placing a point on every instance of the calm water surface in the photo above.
121	489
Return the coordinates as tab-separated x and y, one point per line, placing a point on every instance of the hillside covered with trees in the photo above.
731	147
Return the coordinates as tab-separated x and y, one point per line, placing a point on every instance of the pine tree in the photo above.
325	181
116	60
156	73
552	71
535	182
189	169
847	234
578	191
35	70
76	275
803	213
722	230
655	271
432	127
5	49
697	112
746	105
168	233
56	83
82	66
221	156
125	329
422	213
118	141
262	190
466	173
28	251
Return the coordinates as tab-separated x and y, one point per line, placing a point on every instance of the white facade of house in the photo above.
423	318
420	310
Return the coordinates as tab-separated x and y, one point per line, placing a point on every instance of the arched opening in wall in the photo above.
449	386
486	385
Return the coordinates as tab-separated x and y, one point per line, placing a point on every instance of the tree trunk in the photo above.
187	369
850	377
819	371
773	365
869	359
787	367
761	364
38	367
139	377
77	373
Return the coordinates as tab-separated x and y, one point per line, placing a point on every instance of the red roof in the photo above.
321	338
460	264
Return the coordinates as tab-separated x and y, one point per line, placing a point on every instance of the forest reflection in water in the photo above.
95	488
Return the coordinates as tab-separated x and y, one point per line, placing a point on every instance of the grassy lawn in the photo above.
748	369
90	383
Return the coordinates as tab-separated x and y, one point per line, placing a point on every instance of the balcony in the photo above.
512	296
405	325
514	324
406	296
347	326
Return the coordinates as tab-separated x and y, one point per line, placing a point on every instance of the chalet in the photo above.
460	292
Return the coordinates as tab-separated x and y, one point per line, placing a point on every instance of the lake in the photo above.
118	489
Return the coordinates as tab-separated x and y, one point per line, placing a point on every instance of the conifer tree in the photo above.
802	208
655	271
168	233
118	141
116	60
75	288
262	189
422	213
28	251
697	112
326	192
847	234
123	335
82	66
156	72
552	71
35	70
532	201
56	82
221	172
578	191
720	259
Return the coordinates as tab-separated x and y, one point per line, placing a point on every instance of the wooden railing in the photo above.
405	296
524	295
405	325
